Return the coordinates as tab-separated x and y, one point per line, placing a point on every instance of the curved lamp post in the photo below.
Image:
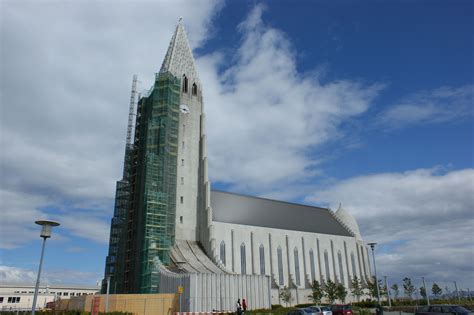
45	233
372	246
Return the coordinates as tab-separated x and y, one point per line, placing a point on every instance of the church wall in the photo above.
288	240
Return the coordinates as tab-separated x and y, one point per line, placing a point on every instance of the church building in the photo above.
171	230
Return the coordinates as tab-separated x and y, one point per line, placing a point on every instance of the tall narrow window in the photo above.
195	89
222	252
182	145
182	180
243	261
363	261
311	262
354	271
185	84
341	269
261	251
326	265
182	199
184	128
182	162
297	267
280	266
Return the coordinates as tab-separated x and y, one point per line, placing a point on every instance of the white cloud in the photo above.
65	82
18	215
438	105
15	275
423	220
12	275
264	117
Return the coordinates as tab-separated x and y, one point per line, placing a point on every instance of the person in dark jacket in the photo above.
239	307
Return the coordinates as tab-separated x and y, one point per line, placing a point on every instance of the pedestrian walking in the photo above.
239	307
244	305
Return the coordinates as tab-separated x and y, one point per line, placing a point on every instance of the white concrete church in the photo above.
228	246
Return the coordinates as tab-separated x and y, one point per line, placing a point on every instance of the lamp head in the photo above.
372	245
46	227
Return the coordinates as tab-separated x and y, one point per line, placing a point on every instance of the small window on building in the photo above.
280	266
60	293
297	267
184	128
222	252
185	84
195	89
243	260
66	294
72	293
182	162
341	269
182	145
182	199
354	271
312	264
1	299
262	259
326	264
181	219
9	299
182	180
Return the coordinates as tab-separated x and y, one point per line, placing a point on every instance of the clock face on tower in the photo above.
184	109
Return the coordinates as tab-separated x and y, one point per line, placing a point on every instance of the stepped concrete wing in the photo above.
248	210
188	257
350	222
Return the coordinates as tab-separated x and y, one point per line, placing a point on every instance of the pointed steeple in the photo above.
179	57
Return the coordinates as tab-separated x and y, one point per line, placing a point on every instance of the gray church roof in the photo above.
248	210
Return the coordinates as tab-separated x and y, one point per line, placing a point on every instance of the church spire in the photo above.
179	59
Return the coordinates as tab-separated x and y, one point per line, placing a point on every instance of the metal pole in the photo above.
107	296
33	307
457	292
180	295
372	246
426	292
388	292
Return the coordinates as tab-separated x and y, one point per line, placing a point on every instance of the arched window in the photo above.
326	265
354	270
243	261
297	267
222	252
280	266
341	269
261	251
185	84
195	89
312	263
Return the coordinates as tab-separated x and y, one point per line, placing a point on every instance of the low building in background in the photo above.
20	296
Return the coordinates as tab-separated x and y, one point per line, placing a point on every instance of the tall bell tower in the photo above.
179	62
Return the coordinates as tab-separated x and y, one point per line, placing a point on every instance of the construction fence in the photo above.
137	304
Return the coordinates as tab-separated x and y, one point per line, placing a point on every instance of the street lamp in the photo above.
372	246
45	233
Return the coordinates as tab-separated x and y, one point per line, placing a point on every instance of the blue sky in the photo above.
321	102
